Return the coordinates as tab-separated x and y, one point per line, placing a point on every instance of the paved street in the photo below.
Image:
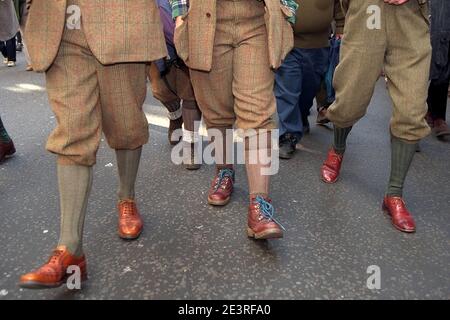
189	250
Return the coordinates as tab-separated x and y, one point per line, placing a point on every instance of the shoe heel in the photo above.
250	233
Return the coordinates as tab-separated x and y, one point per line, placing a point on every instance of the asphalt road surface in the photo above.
189	250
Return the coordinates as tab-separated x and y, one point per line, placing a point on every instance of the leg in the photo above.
362	58
191	118
407	68
213	91
314	65
255	107
72	86
11	50
288	88
123	92
165	90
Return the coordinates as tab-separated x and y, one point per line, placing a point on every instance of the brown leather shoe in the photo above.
130	222
6	150
53	274
221	188
261	223
174	125
401	218
332	166
440	128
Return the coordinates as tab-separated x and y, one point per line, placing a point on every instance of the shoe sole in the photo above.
329	182
265	235
8	156
192	167
129	238
387	213
219	203
33	285
442	134
286	157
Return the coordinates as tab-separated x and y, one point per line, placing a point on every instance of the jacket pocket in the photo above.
181	39
425	10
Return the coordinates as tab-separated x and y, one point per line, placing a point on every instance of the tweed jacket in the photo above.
194	39
117	31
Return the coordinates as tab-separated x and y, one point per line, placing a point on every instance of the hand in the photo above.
338	36
178	21
396	2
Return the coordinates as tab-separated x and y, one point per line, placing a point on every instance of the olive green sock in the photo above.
128	165
75	183
340	139
4	137
402	153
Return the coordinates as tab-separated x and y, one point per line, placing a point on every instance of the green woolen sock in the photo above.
75	183
4	137
340	139
402	154
128	165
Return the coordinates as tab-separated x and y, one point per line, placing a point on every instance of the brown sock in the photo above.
191	115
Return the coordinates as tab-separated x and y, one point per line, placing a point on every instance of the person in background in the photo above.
440	69
171	84
400	43
9	26
7	148
299	78
22	7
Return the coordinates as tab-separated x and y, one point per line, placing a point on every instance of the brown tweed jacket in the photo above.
194	39
117	30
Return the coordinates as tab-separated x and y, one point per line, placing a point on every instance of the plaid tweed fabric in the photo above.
194	39
402	46
116	30
88	98
181	7
239	88
179	82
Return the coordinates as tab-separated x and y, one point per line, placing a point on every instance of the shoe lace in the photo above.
222	177
55	256
267	210
128	209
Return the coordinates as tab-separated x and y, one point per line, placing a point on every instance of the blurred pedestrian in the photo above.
299	78
9	26
171	84
440	68
22	7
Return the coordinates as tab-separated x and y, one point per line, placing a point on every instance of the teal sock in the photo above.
4	137
340	139
402	154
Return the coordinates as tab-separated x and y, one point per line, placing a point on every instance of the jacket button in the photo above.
208	15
